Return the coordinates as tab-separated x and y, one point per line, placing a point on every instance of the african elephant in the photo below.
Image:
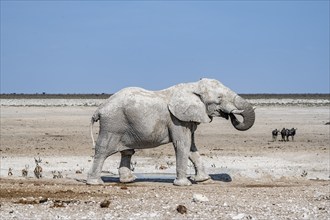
134	118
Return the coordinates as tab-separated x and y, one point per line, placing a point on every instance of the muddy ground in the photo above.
252	176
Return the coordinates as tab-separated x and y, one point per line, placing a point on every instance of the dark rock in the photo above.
105	204
181	209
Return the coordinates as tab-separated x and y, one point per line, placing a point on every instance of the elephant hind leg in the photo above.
94	175
106	146
125	172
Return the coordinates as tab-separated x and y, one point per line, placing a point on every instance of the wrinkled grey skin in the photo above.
134	118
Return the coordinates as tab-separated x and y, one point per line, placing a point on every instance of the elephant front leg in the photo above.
195	158
201	175
125	172
182	153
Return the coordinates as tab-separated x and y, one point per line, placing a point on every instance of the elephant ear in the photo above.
187	106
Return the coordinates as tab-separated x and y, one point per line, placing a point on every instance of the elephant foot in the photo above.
182	182
128	179
94	181
125	175
201	177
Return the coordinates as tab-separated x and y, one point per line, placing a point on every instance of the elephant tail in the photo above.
94	118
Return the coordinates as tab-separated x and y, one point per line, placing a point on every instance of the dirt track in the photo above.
253	177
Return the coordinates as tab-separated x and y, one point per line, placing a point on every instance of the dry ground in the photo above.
253	177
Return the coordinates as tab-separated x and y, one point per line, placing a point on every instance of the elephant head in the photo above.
201	101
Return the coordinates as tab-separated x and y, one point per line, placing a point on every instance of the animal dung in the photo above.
163	167
58	204
181	209
43	199
123	187
105	204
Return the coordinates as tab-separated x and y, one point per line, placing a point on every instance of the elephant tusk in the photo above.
237	112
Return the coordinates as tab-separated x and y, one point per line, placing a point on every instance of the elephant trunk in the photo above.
246	111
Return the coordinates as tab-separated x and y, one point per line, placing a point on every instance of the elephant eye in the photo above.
219	100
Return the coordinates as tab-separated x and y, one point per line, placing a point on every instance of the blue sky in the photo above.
103	46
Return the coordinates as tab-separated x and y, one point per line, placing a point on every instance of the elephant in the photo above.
135	118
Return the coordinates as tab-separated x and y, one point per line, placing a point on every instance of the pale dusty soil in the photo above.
253	177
